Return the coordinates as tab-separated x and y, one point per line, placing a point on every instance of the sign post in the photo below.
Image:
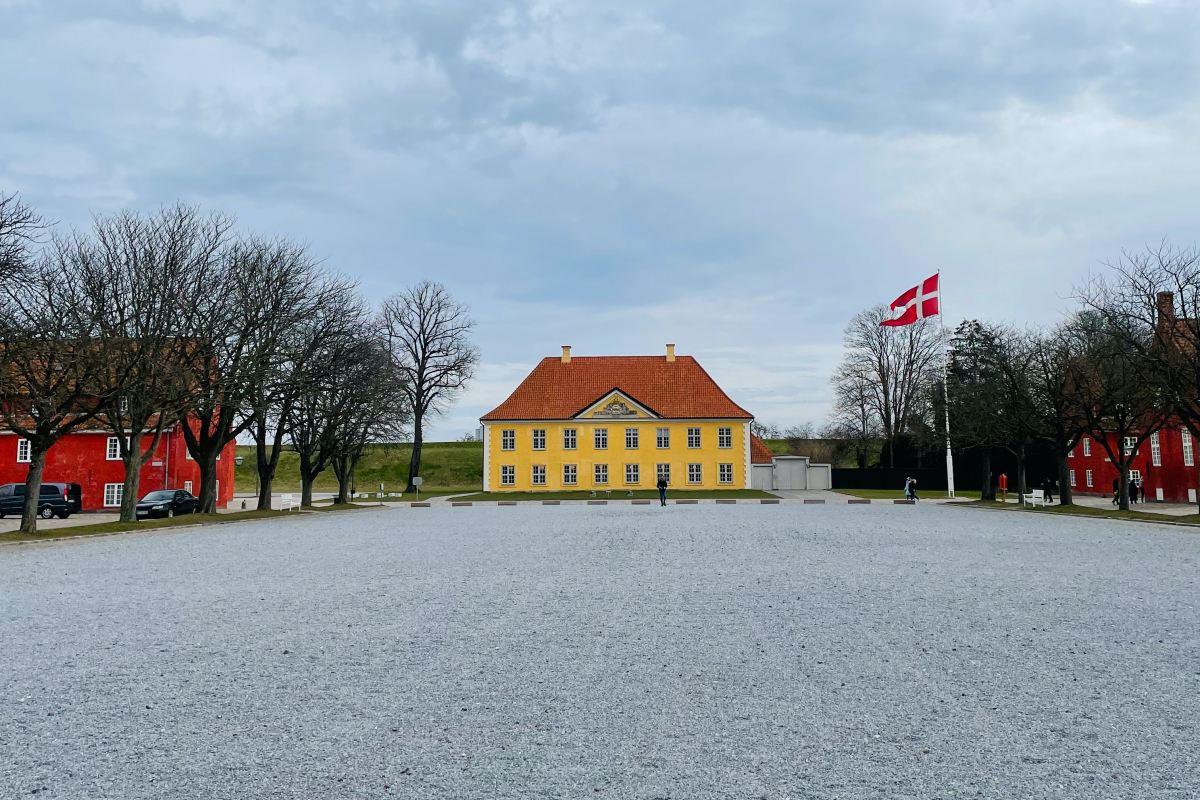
417	481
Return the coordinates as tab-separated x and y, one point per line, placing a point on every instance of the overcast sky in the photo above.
738	178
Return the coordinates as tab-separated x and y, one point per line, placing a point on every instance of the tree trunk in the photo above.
892	452
33	489
1064	481
414	462
208	482
306	479
133	471
1021	487
987	490
1123	488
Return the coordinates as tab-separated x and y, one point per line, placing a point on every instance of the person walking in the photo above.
1048	490
1116	491
662	489
912	490
1002	485
1133	491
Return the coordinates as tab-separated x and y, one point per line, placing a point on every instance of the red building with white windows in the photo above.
1164	465
92	459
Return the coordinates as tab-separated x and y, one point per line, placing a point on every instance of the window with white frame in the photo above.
725	437
1072	473
113	492
600	474
1155	450
112	449
693	439
600	438
663	471
508	439
1135	475
570	475
569	438
725	473
538	476
24	451
1087	447
632	474
539	438
508	475
631	438
1129	444
1189	456
695	473
663	438
1071	453
187	487
1087	476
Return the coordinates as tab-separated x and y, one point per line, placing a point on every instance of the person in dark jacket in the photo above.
1048	490
662	489
1116	491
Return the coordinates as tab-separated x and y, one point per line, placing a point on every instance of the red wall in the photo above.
80	458
1170	475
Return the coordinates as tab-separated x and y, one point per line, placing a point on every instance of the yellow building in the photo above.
616	422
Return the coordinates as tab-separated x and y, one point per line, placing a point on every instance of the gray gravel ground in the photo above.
619	651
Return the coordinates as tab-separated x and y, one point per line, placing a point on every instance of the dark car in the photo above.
168	503
55	500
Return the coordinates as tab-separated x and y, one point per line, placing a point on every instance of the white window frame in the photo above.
113	493
1189	455
1087	476
724	438
1129	444
112	449
187	487
698	476
662	438
633	475
570	475
537	475
508	439
1087	446
600	474
539	438
508	475
631	438
1155	450
724	473
570	438
693	438
24	451
600	438
1135	475
662	471
1072	476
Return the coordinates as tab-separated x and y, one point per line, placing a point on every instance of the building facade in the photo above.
616	423
92	458
1164	465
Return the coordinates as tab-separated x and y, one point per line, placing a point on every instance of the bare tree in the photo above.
765	430
898	363
371	407
854	419
21	228
428	336
1056	418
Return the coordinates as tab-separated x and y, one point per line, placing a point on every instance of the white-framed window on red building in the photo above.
1072	479
1155	450
113	492
1087	447
1189	456
1129	444
187	487
24	451
1087	476
112	449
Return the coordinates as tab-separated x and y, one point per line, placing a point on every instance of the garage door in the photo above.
791	473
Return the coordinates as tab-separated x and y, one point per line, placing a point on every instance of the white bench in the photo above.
287	502
1034	497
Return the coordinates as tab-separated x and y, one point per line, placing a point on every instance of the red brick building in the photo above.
1165	465
92	459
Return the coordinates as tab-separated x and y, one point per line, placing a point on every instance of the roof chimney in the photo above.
670	352
566	355
1166	308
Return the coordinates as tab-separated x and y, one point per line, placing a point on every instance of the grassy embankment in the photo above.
144	525
621	494
447	467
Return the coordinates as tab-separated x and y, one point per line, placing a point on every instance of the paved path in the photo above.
784	651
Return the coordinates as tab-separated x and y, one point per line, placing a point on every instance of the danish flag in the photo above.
919	302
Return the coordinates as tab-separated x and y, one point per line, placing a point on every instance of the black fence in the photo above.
886	478
968	471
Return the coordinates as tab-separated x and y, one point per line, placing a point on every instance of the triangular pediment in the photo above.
615	404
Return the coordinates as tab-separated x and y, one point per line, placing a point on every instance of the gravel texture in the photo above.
688	652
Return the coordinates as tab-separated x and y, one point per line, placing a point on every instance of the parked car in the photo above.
55	500
168	503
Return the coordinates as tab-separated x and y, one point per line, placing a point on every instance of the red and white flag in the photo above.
919	302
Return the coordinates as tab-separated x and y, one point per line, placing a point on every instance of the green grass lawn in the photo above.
447	467
621	494
144	525
898	494
1089	511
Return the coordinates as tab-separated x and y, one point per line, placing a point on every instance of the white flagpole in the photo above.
946	390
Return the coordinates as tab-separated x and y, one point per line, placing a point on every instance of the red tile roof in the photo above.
759	452
678	389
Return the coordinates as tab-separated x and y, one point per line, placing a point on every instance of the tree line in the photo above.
145	321
1121	366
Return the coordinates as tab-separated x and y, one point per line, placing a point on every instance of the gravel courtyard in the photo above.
536	652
